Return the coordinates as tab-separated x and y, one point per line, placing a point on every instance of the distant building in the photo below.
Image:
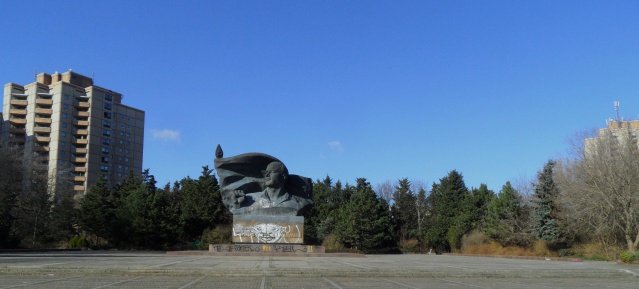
73	130
619	129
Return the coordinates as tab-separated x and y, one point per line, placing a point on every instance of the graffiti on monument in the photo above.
267	233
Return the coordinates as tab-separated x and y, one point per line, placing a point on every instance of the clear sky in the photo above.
376	89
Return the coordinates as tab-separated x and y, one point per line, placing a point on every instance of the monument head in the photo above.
275	175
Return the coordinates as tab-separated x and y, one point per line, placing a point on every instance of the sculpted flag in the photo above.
245	172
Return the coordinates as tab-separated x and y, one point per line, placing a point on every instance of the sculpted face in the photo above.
275	175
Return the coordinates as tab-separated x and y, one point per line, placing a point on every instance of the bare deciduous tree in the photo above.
600	185
385	191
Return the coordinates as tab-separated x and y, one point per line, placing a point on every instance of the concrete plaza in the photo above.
94	269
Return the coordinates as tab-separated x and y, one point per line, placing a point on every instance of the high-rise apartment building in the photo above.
73	130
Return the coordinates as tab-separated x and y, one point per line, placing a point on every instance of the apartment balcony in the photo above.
79	160
43	111
81	123
19	95
80	169
81	132
42	139
18	102
79	179
18	120
82	104
45	94
18	111
78	188
41	149
80	141
80	151
44	101
42	120
81	114
16	130
42	129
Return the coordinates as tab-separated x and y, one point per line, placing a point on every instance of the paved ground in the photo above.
157	270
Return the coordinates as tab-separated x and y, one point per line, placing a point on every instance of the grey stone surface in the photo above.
158	270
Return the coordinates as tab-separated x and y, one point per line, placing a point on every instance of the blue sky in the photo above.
376	89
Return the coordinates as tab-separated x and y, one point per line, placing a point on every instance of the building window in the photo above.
127	151
107	115
64	125
105	159
108	97
107	106
62	153
128	135
62	163
105	150
63	144
126	159
66	97
65	106
63	134
121	133
106	132
64	115
106	141
106	123
104	168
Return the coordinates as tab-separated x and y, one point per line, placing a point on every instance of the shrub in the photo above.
78	242
540	248
73	243
474	238
629	256
218	235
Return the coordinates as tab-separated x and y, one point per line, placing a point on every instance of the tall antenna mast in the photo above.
617	109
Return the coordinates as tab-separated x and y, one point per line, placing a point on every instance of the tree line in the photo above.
587	198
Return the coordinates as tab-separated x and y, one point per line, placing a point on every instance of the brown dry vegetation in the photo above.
493	248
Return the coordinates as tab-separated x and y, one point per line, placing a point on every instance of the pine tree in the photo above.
97	211
365	223
502	222
545	222
404	211
447	197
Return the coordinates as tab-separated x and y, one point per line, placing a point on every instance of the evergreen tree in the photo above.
64	217
471	214
404	211
365	222
545	222
503	218
97	211
446	197
201	205
319	222
8	202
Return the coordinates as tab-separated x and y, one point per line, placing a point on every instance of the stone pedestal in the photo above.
265	229
266	249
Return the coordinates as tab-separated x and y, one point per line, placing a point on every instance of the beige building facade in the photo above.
73	130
